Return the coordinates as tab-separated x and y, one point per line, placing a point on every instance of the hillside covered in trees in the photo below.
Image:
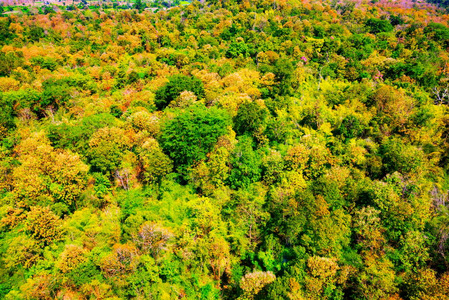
226	150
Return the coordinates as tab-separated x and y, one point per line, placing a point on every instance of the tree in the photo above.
107	148
253	283
47	175
284	69
394	106
192	133
377	25
152	238
123	259
139	5
75	136
10	61
377	278
351	127
237	48
438	32
176	85
245	164
401	157
5	33
250	217
7	115
250	118
322	277
155	163
71	257
22	250
43	225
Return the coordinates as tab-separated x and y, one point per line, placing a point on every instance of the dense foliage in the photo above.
225	150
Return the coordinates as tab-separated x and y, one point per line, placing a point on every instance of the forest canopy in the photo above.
225	150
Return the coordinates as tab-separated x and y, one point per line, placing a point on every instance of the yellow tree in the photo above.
46	174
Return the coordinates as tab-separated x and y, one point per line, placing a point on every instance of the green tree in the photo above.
76	135
10	61
245	164
192	133
176	85
438	32
139	5
154	162
378	25
108	146
7	114
238	48
250	118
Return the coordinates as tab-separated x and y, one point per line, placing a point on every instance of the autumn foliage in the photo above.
224	150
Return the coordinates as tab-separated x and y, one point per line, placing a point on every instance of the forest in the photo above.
226	149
